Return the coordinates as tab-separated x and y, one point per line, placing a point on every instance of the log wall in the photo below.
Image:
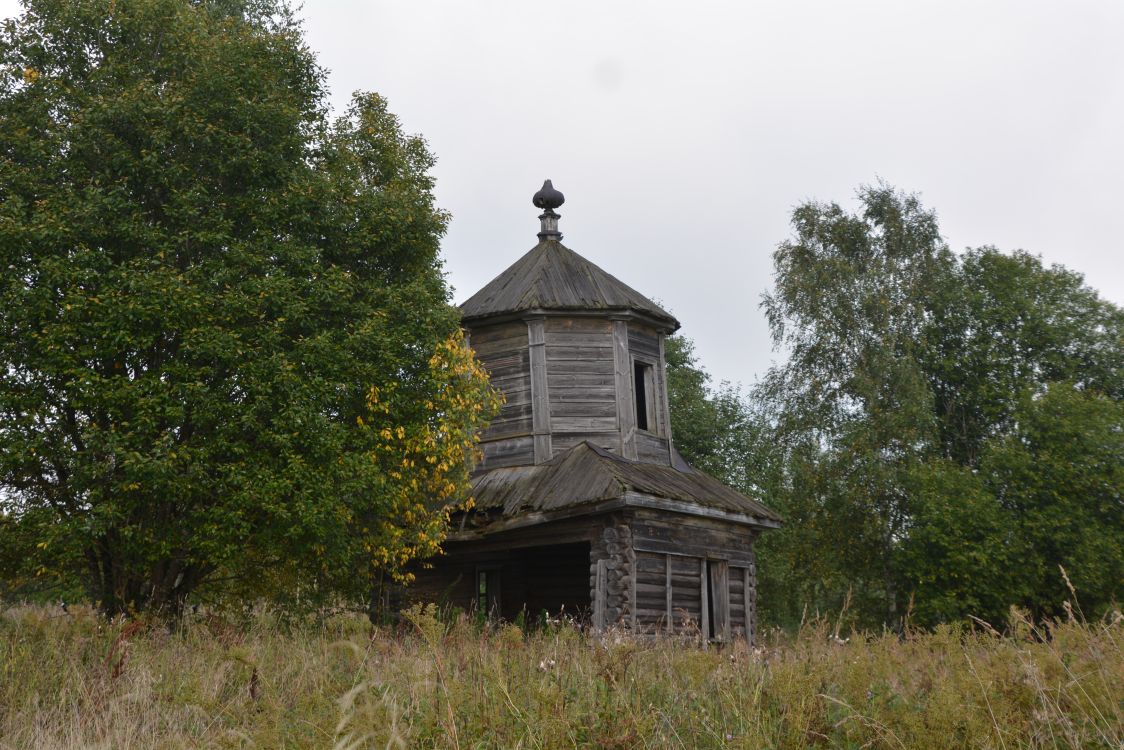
640	570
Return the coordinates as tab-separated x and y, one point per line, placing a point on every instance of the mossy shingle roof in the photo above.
586	475
553	277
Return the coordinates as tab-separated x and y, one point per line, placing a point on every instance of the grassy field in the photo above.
72	680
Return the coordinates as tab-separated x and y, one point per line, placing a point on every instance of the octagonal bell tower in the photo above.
578	355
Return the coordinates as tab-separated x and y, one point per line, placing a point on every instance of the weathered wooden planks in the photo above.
652	449
622	373
540	397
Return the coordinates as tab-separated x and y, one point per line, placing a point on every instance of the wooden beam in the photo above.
747	608
600	596
667	588
664	406
540	398
641	500
622	375
628	500
704	577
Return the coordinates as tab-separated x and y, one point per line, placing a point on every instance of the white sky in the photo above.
683	134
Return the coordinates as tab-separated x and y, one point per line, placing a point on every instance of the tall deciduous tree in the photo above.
850	304
226	348
950	425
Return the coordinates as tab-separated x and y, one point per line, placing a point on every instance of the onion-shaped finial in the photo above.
548	198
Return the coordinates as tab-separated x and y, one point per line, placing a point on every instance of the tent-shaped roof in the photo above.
586	476
553	277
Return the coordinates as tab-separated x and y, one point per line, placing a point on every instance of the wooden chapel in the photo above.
582	504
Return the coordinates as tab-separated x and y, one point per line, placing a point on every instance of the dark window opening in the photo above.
542	581
488	591
642	388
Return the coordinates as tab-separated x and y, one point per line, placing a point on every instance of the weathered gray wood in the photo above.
514	367
622	371
643	341
562	324
582	367
688	551
652	449
581	380
632	599
600	598
562	392
720	603
565	441
667	594
667	535
584	424
540	397
511	451
664	408
503	429
487	333
750	607
553	277
498	347
586	352
704	599
561	409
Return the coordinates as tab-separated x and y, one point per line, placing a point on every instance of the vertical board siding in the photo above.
540	397
686	594
626	406
720	605
646	344
664	407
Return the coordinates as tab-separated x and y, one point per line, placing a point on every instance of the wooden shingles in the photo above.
553	277
586	474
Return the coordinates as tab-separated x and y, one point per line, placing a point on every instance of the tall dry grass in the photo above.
72	680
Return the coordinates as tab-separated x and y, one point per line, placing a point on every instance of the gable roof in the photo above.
553	277
586	476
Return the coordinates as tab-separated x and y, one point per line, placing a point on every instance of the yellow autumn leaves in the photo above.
427	460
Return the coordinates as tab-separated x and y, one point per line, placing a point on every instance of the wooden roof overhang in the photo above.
588	480
628	500
622	313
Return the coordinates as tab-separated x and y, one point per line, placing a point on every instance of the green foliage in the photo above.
715	428
204	279
949	426
1003	326
850	305
1058	474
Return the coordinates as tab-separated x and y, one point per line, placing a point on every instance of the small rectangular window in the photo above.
488	590
643	387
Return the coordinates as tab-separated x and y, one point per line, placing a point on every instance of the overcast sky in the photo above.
683	134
